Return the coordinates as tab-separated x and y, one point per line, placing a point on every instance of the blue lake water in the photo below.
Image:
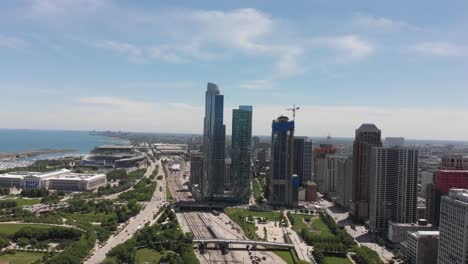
16	140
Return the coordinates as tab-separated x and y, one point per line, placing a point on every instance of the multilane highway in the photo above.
146	215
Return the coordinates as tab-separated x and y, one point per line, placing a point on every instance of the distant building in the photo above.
444	180
321	168
397	232
241	149
343	179
454	162
281	168
60	180
391	142
393	186
453	243
421	247
196	168
227	174
303	158
311	192
426	178
214	132
367	137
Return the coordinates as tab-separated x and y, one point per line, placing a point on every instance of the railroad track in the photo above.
197	225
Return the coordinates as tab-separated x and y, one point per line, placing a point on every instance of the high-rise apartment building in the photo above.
196	168
452	173
454	162
343	170
321	165
393	186
421	247
241	150
303	158
214	133
367	137
282	162
453	229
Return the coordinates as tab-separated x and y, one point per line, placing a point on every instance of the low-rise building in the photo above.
421	247
63	180
397	232
311	192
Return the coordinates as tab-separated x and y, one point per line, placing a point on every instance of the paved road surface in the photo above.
135	223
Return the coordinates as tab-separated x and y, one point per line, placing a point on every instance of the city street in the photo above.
146	215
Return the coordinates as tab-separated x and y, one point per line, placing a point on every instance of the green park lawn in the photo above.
257	189
336	260
10	229
21	257
238	215
285	255
321	227
20	202
299	223
146	255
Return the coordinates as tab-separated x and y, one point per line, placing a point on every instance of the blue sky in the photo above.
144	65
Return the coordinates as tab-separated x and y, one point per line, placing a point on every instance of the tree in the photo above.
22	242
4	242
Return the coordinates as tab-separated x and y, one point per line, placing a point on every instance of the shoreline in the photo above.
15	156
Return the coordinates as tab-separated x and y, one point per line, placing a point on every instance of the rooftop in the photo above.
368	128
425	233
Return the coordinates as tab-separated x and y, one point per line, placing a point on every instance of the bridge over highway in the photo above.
243	242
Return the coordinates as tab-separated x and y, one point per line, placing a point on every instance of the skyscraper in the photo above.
453	229
196	168
393	186
367	137
214	133
303	158
453	173
281	168
241	174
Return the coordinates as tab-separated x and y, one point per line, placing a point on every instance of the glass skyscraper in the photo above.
214	133
282	162
241	152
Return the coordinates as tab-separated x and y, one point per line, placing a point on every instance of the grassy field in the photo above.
238	215
336	260
319	225
10	229
20	202
299	223
169	196
285	255
257	189
21	257
146	255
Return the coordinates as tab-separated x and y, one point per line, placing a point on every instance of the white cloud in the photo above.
167	85
350	46
133	52
112	113
441	48
382	23
62	7
261	84
12	42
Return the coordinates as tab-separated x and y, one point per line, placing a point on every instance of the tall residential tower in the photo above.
241	151
214	133
367	137
282	162
393	186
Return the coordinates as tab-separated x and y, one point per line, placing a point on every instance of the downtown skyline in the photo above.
69	65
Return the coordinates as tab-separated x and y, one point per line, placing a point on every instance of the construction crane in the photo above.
294	109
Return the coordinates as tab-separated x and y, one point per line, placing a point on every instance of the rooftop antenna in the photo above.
294	109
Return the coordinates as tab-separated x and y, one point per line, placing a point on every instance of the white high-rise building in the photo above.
391	142
453	228
393	186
